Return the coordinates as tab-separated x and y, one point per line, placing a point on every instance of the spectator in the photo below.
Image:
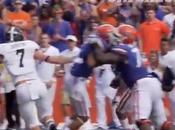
169	18
45	17
86	6
151	32
82	23
70	17
59	29
2	31
154	65
18	18
93	22
106	10
36	30
160	13
30	8
42	2
69	5
46	70
125	11
56	3
72	50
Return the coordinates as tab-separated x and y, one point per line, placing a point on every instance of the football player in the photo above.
146	89
19	57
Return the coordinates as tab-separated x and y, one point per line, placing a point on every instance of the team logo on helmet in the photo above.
14	34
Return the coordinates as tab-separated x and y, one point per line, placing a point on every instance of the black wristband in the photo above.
46	59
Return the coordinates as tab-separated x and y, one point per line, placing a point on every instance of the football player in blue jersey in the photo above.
146	89
80	72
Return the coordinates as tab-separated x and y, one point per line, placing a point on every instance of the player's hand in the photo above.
39	55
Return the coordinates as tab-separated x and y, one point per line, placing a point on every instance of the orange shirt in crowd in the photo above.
151	34
19	17
103	9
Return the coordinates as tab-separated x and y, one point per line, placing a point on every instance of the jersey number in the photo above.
21	53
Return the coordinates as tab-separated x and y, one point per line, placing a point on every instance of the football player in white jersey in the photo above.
19	57
46	70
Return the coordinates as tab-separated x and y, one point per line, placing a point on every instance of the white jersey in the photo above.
72	53
46	70
18	58
169	60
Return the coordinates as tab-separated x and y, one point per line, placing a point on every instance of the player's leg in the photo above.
45	113
28	112
44	108
124	106
9	105
101	108
143	103
51	94
66	106
26	100
66	103
158	108
81	104
16	110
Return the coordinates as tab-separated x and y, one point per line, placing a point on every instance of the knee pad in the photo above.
167	125
141	122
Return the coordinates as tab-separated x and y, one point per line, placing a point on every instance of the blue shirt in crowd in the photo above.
62	29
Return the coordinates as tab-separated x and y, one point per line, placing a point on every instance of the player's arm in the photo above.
102	57
39	55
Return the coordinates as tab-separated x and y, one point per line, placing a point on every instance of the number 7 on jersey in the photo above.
21	53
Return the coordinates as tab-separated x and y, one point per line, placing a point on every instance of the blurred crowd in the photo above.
60	18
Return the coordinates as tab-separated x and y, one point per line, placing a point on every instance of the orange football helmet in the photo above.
128	33
108	33
104	30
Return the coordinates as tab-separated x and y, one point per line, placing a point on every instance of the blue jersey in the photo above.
80	67
133	70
